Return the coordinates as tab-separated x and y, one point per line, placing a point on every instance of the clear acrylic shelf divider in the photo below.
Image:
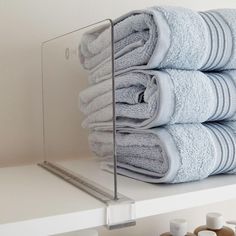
73	71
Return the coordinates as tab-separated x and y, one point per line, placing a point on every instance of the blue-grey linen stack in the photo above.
174	68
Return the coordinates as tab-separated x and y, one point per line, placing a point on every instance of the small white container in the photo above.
178	227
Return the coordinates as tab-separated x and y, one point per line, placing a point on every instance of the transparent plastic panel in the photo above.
78	102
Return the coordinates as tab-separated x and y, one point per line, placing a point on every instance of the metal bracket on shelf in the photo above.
120	212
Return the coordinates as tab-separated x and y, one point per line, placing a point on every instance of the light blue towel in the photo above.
163	37
171	154
147	99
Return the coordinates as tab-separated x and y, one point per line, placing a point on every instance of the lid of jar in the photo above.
206	233
214	221
178	227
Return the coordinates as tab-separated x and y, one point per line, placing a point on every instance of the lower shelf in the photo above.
35	202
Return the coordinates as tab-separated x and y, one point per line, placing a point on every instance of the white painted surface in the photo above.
24	24
34	202
82	233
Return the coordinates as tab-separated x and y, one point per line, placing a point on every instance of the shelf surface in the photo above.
35	202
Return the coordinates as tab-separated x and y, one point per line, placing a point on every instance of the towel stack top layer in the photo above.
164	37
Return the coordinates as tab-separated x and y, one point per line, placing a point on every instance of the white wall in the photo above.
24	24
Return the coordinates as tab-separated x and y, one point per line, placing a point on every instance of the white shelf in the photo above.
35	202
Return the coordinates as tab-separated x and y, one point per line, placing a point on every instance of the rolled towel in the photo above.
163	37
170	154
146	99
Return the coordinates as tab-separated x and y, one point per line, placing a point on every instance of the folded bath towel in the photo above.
170	154
147	99
163	37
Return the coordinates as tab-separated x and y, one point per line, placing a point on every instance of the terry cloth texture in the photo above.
147	99
163	37
170	154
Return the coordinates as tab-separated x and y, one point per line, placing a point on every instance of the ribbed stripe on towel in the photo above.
226	147
221	41
223	86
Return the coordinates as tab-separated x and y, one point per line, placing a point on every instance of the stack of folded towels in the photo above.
175	91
